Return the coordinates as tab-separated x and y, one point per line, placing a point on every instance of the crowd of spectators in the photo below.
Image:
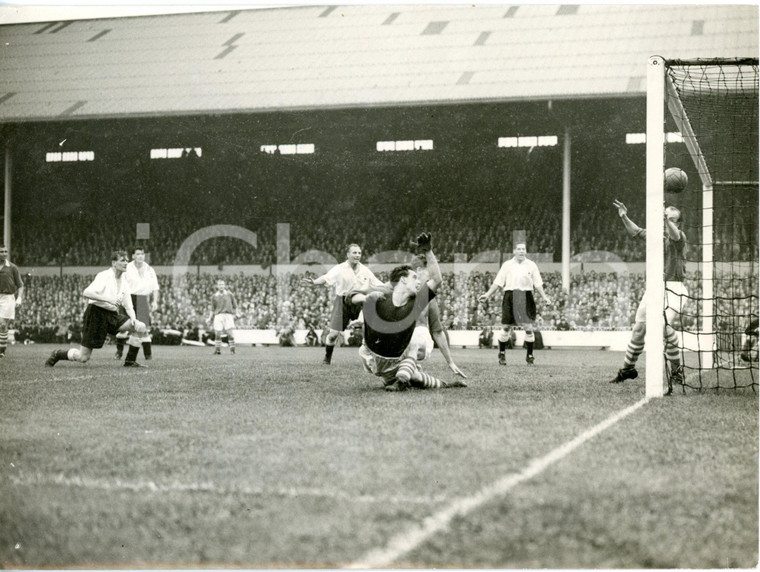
596	301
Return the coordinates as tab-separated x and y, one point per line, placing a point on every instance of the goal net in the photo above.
711	132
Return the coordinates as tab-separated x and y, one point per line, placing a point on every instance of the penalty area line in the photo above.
409	539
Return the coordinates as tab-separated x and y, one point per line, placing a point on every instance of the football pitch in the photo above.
269	459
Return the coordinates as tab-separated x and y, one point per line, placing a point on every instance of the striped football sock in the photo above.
672	350
632	353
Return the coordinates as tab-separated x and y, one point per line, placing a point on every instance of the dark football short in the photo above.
518	307
342	313
142	308
97	323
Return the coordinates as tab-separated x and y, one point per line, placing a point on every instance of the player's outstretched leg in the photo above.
409	374
632	353
81	355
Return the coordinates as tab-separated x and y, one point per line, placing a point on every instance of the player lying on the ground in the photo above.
389	322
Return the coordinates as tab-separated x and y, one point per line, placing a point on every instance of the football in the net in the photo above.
675	180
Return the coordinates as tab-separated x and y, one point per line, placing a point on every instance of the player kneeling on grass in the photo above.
109	311
390	318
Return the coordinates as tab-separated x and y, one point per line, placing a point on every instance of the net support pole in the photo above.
708	311
566	167
655	286
8	189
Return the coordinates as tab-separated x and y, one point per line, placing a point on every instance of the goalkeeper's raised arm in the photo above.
424	244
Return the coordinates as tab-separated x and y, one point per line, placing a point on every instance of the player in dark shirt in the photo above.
11	295
675	294
390	317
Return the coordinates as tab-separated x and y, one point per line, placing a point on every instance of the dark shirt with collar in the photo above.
10	278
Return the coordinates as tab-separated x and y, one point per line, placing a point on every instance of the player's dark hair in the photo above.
399	272
350	246
116	254
138	247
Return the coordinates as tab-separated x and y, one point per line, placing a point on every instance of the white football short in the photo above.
675	297
224	322
386	367
7	306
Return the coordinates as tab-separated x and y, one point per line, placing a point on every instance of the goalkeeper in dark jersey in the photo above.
390	318
675	292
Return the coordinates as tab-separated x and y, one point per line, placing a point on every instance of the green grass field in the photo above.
268	459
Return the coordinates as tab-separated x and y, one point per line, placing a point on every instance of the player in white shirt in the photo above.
109	311
518	278
143	287
344	277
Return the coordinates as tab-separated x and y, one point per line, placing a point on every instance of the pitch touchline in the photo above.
411	538
207	487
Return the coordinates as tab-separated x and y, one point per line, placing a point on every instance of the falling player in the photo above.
518	278
344	277
109	311
389	324
143	286
11	295
675	290
429	329
223	309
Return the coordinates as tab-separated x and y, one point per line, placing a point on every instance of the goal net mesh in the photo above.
712	134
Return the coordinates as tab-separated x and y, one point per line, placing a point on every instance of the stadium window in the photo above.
507	141
641	138
175	152
528	141
405	145
70	156
547	141
289	149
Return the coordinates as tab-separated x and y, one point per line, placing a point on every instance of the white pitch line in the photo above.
60	479
411	538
